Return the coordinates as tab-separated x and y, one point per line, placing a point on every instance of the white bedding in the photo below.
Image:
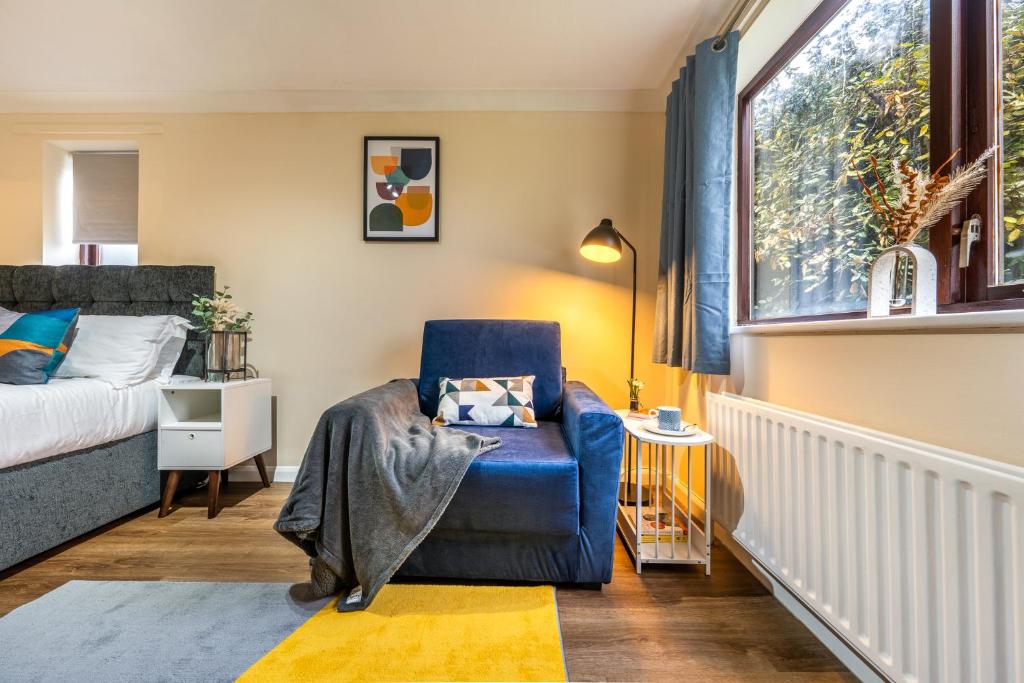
37	421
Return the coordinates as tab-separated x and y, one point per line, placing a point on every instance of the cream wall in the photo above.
274	201
959	390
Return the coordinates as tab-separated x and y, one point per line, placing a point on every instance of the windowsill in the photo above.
1013	319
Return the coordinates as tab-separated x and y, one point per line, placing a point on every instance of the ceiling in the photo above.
318	54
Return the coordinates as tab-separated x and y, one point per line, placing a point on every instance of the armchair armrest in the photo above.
594	434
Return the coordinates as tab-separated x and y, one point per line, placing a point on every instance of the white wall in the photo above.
57	207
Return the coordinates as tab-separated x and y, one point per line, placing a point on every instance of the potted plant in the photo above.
635	385
227	334
918	202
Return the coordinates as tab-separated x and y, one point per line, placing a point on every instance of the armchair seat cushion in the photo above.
530	485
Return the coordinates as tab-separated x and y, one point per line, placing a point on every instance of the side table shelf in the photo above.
656	498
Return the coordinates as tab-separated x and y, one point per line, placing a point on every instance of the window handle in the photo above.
970	233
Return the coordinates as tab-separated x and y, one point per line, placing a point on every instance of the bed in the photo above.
76	454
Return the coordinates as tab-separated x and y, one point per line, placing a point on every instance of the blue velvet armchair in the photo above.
542	506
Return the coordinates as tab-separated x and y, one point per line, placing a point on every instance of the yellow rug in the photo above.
415	632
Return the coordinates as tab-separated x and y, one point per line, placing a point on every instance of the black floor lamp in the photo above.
603	244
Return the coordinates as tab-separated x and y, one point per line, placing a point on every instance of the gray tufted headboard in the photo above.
112	290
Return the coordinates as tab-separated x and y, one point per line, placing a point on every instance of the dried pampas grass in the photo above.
923	199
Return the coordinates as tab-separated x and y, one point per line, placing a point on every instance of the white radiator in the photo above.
911	553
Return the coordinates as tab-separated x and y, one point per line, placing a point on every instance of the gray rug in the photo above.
114	631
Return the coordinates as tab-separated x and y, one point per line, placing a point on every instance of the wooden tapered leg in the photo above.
263	470
173	477
224	477
213	494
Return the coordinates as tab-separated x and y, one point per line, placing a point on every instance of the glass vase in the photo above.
226	353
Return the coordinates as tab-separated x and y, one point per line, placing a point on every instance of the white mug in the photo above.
669	417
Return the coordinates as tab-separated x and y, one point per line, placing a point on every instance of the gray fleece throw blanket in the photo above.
375	479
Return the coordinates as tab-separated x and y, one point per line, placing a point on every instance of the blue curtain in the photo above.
692	316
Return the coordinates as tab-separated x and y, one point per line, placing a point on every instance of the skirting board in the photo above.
281	473
837	646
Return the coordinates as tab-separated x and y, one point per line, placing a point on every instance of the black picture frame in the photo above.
367	139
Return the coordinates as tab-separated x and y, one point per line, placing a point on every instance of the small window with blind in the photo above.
105	201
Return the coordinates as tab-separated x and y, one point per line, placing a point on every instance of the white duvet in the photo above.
37	421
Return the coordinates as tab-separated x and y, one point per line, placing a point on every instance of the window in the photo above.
1009	248
882	78
91	195
105	197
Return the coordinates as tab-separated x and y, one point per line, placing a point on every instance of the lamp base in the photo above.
629	497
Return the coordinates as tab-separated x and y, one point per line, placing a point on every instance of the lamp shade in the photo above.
602	244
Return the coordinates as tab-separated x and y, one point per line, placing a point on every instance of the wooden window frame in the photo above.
962	71
980	74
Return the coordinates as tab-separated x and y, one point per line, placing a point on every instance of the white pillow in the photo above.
167	358
493	401
125	349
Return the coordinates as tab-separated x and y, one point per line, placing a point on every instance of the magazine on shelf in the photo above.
659	527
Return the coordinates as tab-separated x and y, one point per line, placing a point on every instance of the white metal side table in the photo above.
659	453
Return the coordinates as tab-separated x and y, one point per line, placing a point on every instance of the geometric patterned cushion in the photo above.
33	345
493	401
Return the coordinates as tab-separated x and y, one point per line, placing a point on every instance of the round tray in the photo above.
652	426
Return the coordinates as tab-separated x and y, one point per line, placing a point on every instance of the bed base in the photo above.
51	501
48	502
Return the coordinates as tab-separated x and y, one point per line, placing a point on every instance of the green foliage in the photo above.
860	88
219	313
635	386
1013	140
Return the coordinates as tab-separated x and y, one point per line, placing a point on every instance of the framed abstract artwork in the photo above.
401	183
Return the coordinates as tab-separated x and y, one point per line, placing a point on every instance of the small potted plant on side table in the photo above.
226	329
635	386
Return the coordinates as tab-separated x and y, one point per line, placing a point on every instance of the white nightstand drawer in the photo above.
183	449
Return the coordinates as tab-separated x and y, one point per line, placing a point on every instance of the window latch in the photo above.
970	232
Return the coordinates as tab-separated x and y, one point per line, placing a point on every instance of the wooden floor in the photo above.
670	624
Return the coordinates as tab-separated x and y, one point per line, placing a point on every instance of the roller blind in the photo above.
106	197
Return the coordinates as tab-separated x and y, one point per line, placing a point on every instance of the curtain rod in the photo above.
748	10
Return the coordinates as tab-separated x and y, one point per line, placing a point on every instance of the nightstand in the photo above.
212	426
